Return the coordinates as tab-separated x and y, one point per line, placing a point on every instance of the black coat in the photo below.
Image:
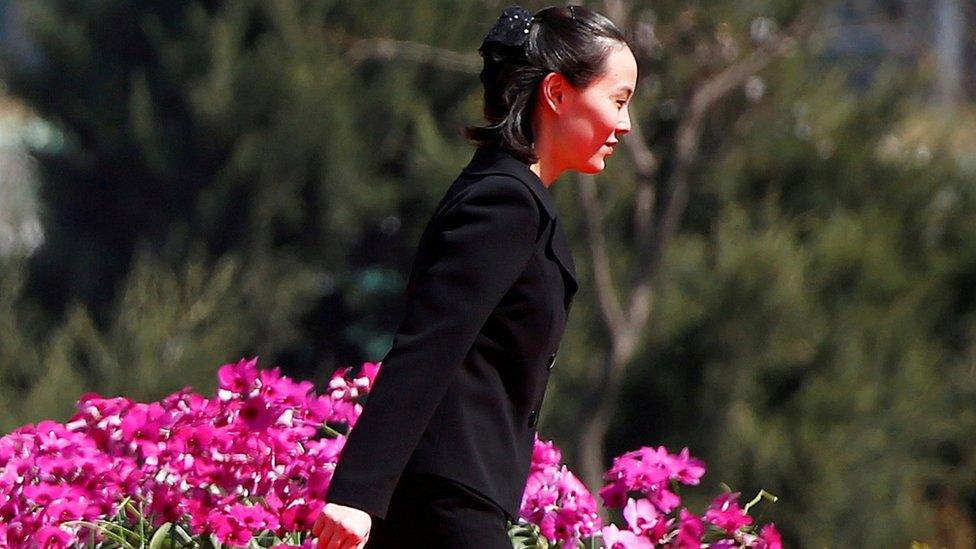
458	394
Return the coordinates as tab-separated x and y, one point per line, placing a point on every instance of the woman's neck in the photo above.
546	166
545	175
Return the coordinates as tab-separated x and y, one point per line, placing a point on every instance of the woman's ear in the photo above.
553	91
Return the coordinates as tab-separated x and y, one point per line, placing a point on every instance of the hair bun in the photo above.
511	29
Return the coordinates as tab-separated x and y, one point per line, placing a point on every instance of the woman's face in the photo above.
594	117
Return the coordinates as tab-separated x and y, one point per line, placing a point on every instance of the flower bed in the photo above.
250	467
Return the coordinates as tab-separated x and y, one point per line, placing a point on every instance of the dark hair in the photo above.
571	40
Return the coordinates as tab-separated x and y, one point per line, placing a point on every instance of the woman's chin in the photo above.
595	165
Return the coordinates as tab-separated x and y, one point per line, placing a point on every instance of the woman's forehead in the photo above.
619	71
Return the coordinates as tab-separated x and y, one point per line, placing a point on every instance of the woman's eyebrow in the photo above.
624	88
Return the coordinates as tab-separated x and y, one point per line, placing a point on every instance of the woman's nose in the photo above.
624	125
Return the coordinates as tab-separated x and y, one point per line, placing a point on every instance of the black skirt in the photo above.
431	511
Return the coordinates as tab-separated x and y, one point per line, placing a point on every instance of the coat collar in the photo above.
489	160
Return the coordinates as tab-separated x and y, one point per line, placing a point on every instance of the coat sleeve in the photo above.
478	247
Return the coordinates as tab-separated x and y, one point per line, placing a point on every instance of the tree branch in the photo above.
606	294
689	130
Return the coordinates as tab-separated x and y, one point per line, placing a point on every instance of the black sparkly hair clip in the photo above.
511	29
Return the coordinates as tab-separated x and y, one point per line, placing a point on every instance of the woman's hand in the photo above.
341	527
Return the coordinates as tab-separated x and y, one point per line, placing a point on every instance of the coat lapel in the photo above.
494	160
559	245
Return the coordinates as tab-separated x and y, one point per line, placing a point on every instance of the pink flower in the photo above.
227	529
238	378
545	453
66	509
51	537
257	415
345	396
651	472
166	504
320	408
251	518
770	538
98	408
662	498
555	500
370	371
347	412
142	427
642	469
690	531
686	469
613	538
643	518
300	517
614	495
192	439
278	388
725	513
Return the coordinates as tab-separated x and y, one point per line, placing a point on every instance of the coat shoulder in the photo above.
495	184
498	189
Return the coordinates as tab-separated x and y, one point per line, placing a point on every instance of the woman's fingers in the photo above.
331	537
340	540
327	541
343	541
339	527
319	524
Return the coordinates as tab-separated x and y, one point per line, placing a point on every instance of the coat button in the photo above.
533	418
552	361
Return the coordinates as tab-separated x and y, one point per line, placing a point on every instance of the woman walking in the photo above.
441	453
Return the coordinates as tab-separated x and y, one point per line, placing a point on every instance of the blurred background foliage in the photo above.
184	183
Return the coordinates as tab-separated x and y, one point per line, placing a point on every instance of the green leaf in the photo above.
104	528
527	536
160	536
184	536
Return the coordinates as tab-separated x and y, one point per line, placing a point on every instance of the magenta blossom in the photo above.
555	500
650	471
725	513
614	538
545	454
686	469
690	531
237	379
644	519
770	537
257	414
369	371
